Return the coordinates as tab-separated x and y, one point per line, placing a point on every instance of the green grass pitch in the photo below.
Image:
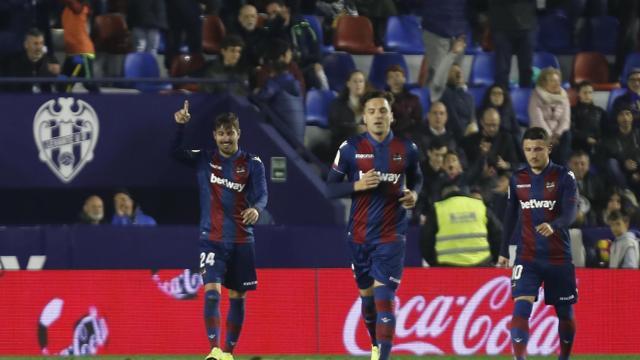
324	357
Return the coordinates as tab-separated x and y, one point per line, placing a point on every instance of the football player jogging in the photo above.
541	206
383	179
233	192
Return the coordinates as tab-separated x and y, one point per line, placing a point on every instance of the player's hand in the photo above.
182	116
408	199
369	180
503	262
544	229
249	216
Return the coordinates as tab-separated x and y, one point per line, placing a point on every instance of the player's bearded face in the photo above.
377	116
536	152
227	140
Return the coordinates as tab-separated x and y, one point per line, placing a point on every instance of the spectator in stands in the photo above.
345	114
183	21
304	43
437	118
15	20
146	19
254	37
629	100
78	46
458	230
586	120
623	150
432	170
444	24
590	190
549	109
407	111
126	213
513	25
276	49
453	174
92	211
460	105
628	13
440	79
624	252
282	92
623	200
378	11
227	69
498	97
32	62
491	144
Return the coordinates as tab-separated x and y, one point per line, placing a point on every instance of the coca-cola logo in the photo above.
182	286
89	333
464	325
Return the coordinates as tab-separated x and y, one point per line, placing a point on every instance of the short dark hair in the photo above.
582	84
394	68
34	32
231	40
437	143
279	2
617	215
227	120
536	133
374	95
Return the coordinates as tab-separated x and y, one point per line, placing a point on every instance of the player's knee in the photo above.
564	311
212	297
522	308
234	294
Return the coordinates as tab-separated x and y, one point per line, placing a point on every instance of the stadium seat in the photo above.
111	34
425	99
603	34
477	93
337	66
482	69
184	65
555	34
612	97
317	29
143	65
380	64
520	101
404	35
593	67
543	59
632	61
213	32
354	34
317	106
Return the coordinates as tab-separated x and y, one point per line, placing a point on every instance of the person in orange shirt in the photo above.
77	43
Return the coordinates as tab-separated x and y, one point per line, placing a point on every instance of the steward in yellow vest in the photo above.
457	232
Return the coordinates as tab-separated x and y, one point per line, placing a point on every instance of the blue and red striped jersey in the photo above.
227	186
549	197
376	215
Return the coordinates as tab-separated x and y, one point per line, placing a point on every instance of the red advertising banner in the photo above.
301	311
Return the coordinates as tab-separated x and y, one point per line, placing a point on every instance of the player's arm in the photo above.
414	179
337	187
178	150
568	203
258	193
509	224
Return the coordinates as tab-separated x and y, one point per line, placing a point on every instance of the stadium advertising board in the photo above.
299	311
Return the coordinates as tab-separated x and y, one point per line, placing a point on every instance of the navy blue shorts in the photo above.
233	265
383	262
559	281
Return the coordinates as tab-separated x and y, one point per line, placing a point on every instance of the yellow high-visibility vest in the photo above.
462	231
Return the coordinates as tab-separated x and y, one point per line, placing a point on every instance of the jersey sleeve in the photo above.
414	174
336	186
569	202
510	218
180	152
257	192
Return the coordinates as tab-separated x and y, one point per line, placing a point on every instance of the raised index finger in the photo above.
185	106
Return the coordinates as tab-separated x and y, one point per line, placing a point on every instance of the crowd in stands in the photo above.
279	54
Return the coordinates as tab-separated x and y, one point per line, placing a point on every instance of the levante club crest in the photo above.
66	135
